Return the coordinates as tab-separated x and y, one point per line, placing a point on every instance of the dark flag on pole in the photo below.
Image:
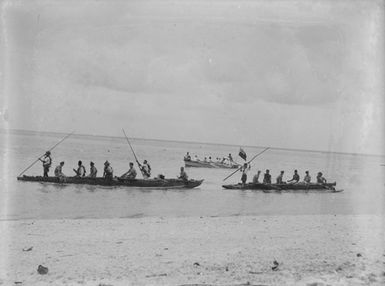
242	154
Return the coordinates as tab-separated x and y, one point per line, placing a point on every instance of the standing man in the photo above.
244	169
47	162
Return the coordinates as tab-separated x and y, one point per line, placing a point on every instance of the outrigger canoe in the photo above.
203	164
148	183
328	187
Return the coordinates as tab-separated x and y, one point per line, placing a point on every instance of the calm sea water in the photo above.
361	177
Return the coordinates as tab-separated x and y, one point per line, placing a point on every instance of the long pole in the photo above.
246	163
53	147
131	148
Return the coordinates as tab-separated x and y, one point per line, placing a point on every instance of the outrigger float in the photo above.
141	183
328	187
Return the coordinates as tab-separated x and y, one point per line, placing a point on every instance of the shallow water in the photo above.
361	177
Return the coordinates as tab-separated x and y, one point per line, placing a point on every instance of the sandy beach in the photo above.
238	250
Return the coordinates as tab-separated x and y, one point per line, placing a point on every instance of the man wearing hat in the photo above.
108	172
93	170
47	162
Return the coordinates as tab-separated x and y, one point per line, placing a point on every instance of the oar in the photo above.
44	153
247	163
137	161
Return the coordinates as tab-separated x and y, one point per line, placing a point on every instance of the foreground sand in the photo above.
311	250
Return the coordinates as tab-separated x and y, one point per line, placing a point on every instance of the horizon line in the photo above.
195	142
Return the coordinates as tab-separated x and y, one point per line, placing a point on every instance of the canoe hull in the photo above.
283	187
202	164
141	183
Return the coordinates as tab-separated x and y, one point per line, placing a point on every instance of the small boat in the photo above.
203	164
142	183
328	187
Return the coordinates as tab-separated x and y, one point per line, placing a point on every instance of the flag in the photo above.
242	154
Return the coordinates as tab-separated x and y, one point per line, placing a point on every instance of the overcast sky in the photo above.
292	74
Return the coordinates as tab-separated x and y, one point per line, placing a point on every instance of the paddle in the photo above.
247	163
44	153
137	161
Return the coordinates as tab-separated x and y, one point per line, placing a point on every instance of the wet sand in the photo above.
237	250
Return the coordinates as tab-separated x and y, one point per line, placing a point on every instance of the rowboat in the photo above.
328	187
148	183
203	164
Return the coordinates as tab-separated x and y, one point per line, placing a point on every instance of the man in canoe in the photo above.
267	177
81	171
256	177
187	157
280	178
93	170
320	178
47	162
244	169
145	169
295	178
183	175
58	170
108	171
130	174
307	178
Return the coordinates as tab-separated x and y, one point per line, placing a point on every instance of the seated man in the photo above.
183	175
145	169
81	171
295	178
187	157
256	177
267	177
307	178
93	170
58	170
280	178
130	174
108	171
320	178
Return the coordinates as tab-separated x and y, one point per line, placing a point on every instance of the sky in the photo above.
290	74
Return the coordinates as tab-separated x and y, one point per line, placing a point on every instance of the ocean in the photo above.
360	176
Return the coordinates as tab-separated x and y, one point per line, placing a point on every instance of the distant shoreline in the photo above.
50	133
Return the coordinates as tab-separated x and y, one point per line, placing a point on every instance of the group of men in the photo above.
80	171
224	160
267	177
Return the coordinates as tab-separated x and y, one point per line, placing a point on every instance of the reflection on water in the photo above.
360	176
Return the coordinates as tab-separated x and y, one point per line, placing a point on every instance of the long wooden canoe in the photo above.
283	187
203	164
148	183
